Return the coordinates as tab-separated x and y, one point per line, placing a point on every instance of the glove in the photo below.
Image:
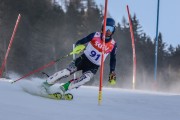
112	78
78	49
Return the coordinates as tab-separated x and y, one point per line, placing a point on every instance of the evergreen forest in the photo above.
47	31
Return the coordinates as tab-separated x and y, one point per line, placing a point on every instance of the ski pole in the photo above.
41	68
78	49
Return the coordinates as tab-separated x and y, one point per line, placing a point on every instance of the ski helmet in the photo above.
110	22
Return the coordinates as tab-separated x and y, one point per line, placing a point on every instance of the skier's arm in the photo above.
112	74
113	59
80	44
85	40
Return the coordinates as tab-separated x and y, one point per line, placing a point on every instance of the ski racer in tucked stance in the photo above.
88	62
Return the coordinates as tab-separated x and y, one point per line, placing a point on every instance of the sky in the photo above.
117	104
146	12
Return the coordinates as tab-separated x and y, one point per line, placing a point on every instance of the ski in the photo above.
38	90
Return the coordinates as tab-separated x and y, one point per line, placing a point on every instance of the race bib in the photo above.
94	49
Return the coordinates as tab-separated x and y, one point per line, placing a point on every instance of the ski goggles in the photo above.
110	28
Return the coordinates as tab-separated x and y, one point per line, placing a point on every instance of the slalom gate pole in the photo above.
156	47
9	47
133	48
102	57
74	57
41	68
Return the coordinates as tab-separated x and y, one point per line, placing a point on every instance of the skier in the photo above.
88	62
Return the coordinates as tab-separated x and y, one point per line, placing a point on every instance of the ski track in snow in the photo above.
117	104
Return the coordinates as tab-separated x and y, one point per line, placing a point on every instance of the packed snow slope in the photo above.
117	104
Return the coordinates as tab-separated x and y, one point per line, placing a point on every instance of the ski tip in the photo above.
12	82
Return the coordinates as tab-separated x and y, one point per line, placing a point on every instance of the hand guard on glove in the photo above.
78	49
112	78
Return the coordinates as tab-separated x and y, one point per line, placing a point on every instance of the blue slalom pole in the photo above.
156	43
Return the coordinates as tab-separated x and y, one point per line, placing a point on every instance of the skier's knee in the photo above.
89	75
82	80
72	67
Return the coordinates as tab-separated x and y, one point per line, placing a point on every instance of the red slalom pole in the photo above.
133	47
9	47
102	57
35	71
41	68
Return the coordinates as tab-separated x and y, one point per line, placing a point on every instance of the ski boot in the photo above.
57	96
46	85
60	94
68	96
56	91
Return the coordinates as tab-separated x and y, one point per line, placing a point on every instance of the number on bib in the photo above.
95	55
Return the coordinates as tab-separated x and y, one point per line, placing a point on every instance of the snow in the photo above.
117	104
